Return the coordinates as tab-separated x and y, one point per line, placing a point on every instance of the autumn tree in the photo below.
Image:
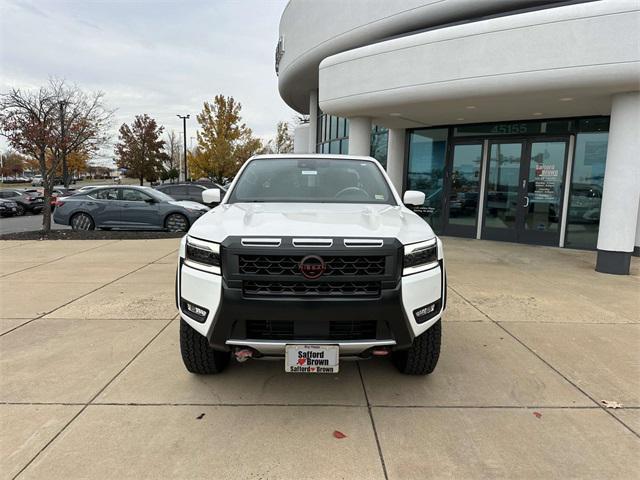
140	148
77	162
283	141
27	120
224	141
13	163
50	123
81	128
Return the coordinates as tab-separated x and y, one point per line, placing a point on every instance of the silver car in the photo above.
126	207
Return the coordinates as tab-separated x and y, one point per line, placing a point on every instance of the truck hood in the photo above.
311	220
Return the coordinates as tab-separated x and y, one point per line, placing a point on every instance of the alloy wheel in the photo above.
20	210
82	222
177	223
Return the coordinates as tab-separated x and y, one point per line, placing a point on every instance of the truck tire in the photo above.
197	355
422	357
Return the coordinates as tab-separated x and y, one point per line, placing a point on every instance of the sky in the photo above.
159	57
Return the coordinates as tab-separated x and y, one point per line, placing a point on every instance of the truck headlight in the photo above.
202	255
419	257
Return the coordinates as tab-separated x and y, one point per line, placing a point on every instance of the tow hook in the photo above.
243	354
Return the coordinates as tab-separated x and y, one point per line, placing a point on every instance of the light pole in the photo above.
184	132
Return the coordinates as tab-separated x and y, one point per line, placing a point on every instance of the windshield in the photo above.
158	195
312	180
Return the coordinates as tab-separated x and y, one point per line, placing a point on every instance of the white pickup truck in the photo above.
314	259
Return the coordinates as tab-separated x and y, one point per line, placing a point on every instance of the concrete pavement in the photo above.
92	384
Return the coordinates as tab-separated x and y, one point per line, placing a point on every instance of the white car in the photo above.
314	259
37	181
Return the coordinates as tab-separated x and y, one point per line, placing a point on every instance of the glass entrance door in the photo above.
502	190
462	192
543	178
524	187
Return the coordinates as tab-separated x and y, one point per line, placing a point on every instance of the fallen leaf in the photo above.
200	417
611	404
338	434
537	414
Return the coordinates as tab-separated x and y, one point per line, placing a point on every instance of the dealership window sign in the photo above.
547	178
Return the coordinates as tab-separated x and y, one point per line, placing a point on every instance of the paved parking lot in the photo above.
27	223
92	385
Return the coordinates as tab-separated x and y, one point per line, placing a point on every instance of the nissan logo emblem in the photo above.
312	267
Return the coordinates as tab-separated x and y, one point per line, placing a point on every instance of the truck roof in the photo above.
333	156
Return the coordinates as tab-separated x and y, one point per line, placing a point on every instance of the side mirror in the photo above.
150	200
413	197
211	195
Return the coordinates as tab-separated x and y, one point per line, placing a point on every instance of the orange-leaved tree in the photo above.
224	141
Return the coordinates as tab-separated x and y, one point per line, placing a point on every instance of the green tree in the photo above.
224	142
283	142
140	148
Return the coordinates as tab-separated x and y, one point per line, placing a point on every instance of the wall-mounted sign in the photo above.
279	53
514	128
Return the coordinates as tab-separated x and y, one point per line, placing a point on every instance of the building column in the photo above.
301	139
360	136
395	157
313	120
621	193
636	249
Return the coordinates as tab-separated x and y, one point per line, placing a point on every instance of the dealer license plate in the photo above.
311	359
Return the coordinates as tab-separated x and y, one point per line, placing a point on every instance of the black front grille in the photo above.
352	330
290	265
337	330
318	289
270	329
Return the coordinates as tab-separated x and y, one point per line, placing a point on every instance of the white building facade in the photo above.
519	119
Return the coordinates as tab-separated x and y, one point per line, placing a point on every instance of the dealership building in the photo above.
518	119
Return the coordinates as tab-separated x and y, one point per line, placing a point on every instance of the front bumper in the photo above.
8	210
229	313
194	215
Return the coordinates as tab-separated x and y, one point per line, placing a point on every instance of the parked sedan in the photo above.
8	208
86	188
189	191
60	193
27	200
126	207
